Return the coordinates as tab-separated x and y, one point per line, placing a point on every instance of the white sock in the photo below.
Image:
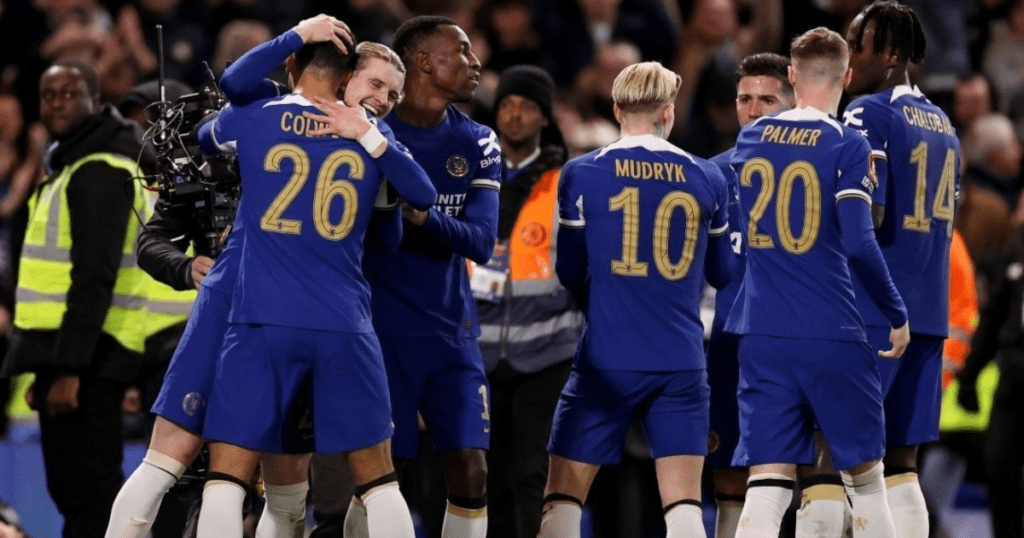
727	516
768	497
906	503
139	500
355	520
821	512
871	517
561	519
462	522
685	521
221	515
387	515
284	516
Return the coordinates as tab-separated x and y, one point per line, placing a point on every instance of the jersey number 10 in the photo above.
326	189
628	201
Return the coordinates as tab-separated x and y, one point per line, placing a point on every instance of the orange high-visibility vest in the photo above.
963	309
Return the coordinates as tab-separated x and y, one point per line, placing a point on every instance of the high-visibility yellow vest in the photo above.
165	306
953	418
44	275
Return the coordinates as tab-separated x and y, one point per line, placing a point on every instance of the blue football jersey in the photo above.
917	156
792	169
725	297
307	202
647	209
423	288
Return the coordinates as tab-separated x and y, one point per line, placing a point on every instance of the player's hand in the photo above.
199	268
326	28
414	215
899	337
346	121
63	395
967	394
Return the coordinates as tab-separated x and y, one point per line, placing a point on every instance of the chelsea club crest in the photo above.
457	166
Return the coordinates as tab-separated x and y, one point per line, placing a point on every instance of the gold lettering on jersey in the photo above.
794	136
657	171
301	125
927	120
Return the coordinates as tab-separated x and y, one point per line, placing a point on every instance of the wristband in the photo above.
372	140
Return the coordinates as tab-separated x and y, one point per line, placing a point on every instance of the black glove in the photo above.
967	395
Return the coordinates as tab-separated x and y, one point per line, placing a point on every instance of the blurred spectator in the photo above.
1003	59
992	155
235	39
370	20
188	32
802	15
592	90
1000	337
972	98
717	33
945	30
572	31
583	131
508	27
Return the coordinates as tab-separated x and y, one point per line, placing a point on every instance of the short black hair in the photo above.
324	55
897	28
86	71
764	64
412	32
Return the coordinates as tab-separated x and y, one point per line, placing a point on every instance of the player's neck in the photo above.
823	98
637	126
422	108
896	78
310	87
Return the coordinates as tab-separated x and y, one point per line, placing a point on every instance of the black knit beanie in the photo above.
529	81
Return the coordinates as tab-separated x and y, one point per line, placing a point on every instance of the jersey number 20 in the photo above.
326	189
802	170
629	202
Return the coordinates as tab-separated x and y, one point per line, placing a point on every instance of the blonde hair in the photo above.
643	87
820	53
369	49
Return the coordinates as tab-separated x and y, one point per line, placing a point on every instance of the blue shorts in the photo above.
443	379
186	387
723	378
262	372
597	407
790	385
912	386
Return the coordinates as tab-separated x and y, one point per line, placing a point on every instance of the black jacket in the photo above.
1000	332
100	202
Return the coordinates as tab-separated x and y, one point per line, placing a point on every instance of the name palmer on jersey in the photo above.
794	136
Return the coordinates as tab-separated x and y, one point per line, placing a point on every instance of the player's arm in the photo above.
99	213
853	204
385	230
720	260
874	122
475	232
351	122
217	136
571	260
244	81
161	252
